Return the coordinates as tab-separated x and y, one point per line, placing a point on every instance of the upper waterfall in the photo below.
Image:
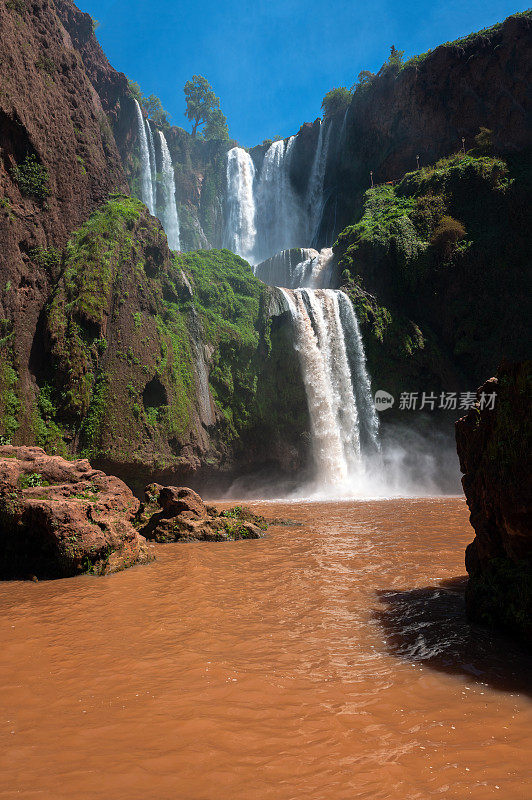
240	231
167	206
147	194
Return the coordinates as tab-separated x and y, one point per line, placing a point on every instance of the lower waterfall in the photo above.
337	387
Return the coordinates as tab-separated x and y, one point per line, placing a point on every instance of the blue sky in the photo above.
271	61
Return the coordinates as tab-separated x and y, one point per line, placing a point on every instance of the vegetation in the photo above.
151	105
32	178
203	108
449	230
336	101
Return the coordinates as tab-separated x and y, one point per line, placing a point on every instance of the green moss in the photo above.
32	178
447	246
9	401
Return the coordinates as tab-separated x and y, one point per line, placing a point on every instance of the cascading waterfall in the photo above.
337	416
147	194
298	267
157	193
167	207
153	162
267	224
240	231
316	180
264	214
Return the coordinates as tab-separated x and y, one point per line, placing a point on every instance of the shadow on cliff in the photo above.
429	626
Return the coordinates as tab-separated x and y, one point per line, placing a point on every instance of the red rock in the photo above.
60	518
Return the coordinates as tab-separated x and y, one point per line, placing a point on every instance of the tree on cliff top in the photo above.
216	125
336	101
203	108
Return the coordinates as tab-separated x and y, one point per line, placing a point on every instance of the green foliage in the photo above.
45	64
9	402
216	126
30	480
5	204
394	62
32	178
364	81
202	104
228	297
471	39
154	109
463	216
16	5
151	105
49	259
336	101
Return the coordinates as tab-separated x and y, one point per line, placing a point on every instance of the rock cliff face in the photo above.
425	109
494	446
58	161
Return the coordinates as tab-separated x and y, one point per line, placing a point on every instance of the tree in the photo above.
395	59
154	109
336	101
363	81
216	125
201	101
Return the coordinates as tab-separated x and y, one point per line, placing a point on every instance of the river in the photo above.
330	660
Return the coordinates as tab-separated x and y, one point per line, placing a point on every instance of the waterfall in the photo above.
240	228
331	386
264	215
168	207
298	267
146	180
315	184
369	420
153	162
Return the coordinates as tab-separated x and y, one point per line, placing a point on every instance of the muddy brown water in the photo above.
328	661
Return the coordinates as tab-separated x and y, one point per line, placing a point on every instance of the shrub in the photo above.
32	178
447	233
484	140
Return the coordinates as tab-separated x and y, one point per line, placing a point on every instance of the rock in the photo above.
178	514
59	518
494	446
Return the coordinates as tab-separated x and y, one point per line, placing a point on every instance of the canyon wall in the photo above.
494	446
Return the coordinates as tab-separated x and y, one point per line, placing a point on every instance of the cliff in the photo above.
494	446
425	108
191	352
58	161
437	266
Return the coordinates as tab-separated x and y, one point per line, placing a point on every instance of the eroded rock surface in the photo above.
59	518
173	514
494	446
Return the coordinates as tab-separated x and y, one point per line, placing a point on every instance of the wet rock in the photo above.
60	518
494	446
173	514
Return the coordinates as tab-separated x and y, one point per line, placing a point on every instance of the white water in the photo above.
298	267
146	181
264	215
157	183
337	414
167	207
316	181
240	231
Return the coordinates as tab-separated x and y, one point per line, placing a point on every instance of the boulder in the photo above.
60	518
178	514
